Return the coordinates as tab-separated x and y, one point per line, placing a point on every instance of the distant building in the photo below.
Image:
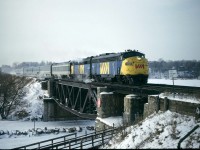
6	69
19	71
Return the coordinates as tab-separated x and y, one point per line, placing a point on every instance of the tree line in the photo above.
30	64
9	69
192	66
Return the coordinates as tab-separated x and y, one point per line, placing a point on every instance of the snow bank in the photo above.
162	130
181	97
117	121
194	82
11	140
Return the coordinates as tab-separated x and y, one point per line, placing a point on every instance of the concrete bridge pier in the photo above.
131	108
53	112
44	85
51	86
49	108
104	102
109	104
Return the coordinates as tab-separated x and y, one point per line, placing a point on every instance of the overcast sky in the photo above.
62	30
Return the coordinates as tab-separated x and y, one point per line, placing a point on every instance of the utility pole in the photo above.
173	86
172	75
34	122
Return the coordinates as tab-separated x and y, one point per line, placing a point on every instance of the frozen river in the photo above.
194	82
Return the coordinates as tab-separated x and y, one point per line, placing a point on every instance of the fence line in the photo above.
95	139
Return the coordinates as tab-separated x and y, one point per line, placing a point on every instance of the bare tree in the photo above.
11	93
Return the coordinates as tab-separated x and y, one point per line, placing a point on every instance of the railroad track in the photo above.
149	88
176	88
145	89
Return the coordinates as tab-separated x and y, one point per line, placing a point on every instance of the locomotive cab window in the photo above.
132	54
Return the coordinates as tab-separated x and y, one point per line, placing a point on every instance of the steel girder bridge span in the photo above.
78	98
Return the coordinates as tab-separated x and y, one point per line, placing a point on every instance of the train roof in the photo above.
126	54
107	55
60	64
110	56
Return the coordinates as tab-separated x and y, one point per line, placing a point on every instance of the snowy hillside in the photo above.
162	130
33	102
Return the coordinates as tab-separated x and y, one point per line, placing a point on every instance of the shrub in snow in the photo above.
79	129
24	133
56	130
47	131
39	131
2	132
21	114
90	127
70	130
174	132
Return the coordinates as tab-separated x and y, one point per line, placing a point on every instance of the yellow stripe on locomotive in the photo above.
72	69
81	69
104	68
134	66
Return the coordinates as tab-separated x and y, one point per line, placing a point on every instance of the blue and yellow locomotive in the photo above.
130	67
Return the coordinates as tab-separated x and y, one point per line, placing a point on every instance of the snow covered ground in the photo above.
183	82
162	130
10	129
12	139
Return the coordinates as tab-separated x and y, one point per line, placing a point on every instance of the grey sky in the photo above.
61	30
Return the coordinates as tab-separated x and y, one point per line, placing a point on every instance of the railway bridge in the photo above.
74	100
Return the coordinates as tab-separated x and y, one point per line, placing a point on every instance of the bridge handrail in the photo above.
188	134
49	140
102	133
85	140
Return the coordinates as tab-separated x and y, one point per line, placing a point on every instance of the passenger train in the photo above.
130	67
